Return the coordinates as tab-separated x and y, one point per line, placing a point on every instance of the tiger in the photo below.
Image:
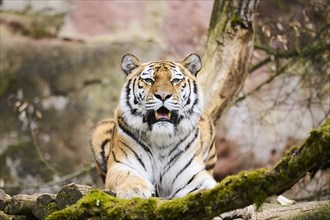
159	143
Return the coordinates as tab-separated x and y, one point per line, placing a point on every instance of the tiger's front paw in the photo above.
132	190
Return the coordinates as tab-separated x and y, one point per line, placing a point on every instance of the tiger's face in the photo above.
161	97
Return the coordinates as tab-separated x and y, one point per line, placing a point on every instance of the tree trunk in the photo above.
21	204
44	206
4	199
232	193
70	194
228	53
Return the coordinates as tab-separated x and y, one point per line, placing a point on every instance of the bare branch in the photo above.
309	51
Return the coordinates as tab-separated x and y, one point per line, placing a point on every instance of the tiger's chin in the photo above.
163	128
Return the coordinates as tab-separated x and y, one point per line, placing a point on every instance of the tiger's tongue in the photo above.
163	115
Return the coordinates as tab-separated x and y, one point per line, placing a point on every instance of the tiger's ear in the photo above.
129	62
193	63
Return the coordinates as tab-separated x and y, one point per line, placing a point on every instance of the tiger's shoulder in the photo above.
102	138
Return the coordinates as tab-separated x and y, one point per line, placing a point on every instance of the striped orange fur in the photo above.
159	143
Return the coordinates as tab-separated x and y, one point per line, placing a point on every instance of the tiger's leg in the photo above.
198	181
128	183
211	160
208	143
128	172
101	141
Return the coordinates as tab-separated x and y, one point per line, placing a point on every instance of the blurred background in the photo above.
60	74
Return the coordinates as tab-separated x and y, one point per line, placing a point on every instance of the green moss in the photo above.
217	200
46	209
244	184
236	19
51	207
315	143
101	205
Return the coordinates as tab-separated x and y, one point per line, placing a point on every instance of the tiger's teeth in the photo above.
169	115
156	115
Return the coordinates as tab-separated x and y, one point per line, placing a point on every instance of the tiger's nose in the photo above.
163	96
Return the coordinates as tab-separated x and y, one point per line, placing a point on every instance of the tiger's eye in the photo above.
148	80
175	81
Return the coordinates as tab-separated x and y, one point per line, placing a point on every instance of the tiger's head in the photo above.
161	97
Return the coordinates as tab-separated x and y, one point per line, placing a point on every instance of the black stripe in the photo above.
192	178
211	128
134	95
196	93
183	169
176	156
210	166
124	152
197	187
104	157
102	175
171	64
129	133
176	147
195	87
128	90
189	181
195	90
114	157
189	95
117	161
178	190
211	157
109	131
210	147
136	155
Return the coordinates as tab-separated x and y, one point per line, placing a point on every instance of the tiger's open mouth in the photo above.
163	114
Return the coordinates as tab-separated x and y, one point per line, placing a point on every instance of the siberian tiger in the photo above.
159	143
